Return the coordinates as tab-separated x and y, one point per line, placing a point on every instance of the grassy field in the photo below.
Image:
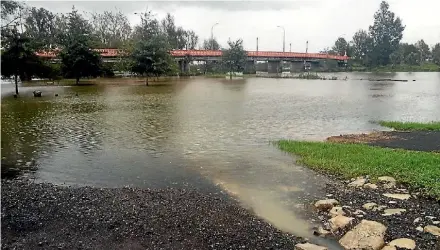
411	126
416	169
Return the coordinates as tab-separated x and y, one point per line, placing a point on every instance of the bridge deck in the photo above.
214	54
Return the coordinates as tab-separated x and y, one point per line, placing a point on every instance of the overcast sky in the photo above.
318	21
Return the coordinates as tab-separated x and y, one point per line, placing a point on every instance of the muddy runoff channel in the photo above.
201	134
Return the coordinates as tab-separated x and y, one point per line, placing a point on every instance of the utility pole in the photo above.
257	45
212	36
307	46
290	47
284	37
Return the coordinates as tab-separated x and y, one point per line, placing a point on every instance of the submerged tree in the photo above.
151	58
19	58
234	58
78	60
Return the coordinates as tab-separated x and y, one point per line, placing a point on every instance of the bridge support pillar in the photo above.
297	66
273	66
249	67
184	66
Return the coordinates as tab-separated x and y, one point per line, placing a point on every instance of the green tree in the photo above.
111	29
412	58
40	27
74	27
78	60
341	46
149	27
10	13
191	40
386	32
436	54
423	50
234	58
361	47
211	44
397	57
151	58
410	53
19	58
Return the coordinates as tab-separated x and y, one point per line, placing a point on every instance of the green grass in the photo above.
420	170
411	126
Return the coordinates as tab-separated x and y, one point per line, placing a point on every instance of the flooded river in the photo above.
203	133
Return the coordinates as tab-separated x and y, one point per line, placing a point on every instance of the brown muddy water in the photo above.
202	133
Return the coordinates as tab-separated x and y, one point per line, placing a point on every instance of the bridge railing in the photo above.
212	53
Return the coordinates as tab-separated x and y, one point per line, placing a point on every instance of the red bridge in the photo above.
216	54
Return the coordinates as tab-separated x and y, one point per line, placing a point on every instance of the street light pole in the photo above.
212	36
284	37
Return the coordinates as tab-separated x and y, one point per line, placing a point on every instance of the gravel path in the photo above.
43	216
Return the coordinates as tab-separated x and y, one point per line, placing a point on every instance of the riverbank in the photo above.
47	216
411	126
426	67
379	186
383	213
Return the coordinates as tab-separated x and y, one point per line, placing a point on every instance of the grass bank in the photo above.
426	67
416	169
412	126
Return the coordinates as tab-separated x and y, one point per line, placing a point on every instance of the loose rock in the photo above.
379	208
370	186
389	182
335	211
366	235
389	248
320	231
308	246
339	222
325	205
417	220
398	196
432	230
359	182
403	243
369	205
393	211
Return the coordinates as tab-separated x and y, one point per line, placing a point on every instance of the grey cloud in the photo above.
129	7
233	5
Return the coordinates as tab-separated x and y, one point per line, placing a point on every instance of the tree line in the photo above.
26	30
381	45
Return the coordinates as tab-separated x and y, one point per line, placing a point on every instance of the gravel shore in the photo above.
419	212
44	216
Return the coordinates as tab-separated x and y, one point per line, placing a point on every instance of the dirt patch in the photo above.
362	138
414	140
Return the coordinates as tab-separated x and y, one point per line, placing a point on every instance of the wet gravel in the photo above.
44	216
398	226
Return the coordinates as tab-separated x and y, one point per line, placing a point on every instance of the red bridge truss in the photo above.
214	53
